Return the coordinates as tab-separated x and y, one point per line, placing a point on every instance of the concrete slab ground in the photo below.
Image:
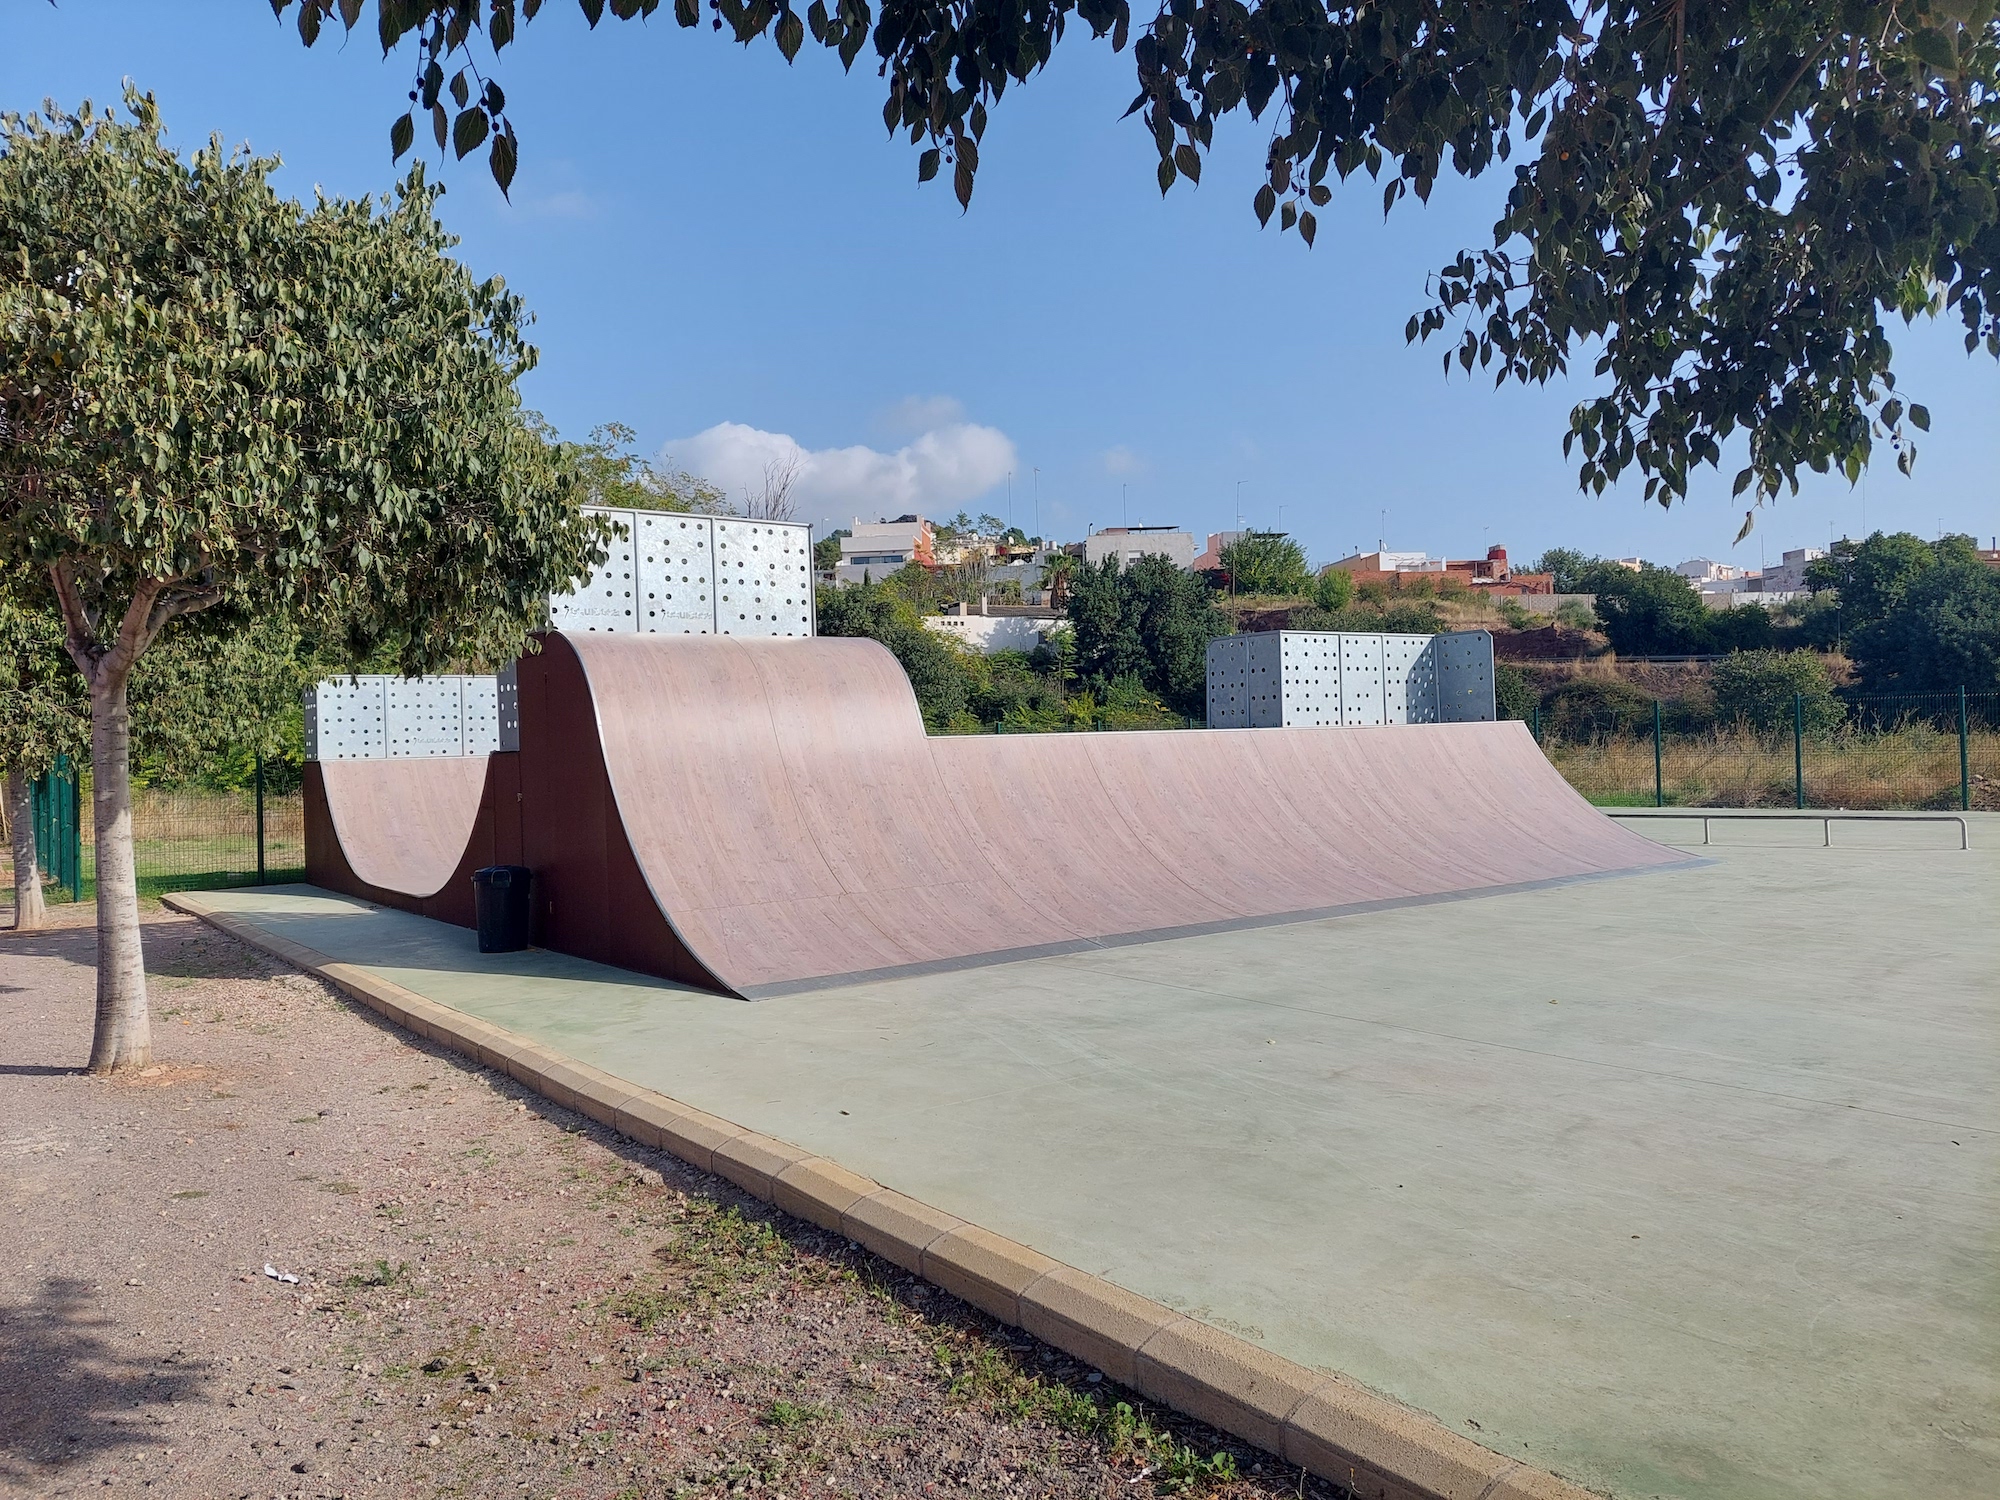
1685	1184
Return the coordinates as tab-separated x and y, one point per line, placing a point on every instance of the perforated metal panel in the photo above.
1228	686
763	578
1361	680
376	717
1465	677
1311	677
1409	680
608	599
480	720
507	690
1306	678
676	573
425	716
345	720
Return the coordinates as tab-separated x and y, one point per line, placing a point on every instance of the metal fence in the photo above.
183	837
1922	752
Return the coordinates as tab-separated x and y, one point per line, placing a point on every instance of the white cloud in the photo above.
915	415
942	469
1121	460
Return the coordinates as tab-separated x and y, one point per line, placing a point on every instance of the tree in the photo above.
1151	622
1775	690
1651	612
826	551
1869	578
615	477
42	715
219	404
1573	571
1333	590
1267	562
1941	634
1059	570
1727	199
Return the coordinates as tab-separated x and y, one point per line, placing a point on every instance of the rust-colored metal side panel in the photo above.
591	897
783	806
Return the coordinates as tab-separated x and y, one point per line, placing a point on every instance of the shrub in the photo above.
1589	708
1512	697
1333	591
1764	689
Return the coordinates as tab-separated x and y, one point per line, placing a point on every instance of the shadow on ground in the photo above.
71	1394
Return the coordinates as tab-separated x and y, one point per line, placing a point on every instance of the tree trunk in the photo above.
28	908
124	1034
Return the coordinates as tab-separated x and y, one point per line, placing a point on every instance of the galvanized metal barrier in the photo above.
1826	820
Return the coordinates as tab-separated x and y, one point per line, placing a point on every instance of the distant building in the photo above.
988	627
879	549
1701	571
1130	543
1789	576
1210	557
1490	574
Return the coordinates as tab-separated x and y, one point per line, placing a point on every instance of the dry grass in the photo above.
1911	767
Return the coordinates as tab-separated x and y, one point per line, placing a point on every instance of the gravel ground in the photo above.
492	1296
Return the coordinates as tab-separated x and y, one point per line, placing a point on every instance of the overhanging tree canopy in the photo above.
1722	202
215	401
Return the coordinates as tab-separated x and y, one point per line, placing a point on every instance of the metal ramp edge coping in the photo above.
1192	929
1325	1423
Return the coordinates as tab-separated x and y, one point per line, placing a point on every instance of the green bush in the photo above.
1333	590
1512	696
1590	708
1765	689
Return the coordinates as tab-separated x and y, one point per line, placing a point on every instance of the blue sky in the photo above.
729	256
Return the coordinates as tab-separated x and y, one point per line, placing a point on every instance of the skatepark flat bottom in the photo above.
1684	1185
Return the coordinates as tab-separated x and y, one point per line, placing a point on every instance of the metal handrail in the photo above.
1825	819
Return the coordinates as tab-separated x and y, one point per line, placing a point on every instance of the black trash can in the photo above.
500	894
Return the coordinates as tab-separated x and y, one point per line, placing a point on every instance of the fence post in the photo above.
1659	782
1798	749
260	820
1964	755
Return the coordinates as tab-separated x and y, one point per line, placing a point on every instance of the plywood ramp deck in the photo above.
797	828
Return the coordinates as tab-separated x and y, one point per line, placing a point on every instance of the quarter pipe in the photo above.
764	817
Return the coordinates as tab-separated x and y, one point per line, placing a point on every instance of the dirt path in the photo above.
493	1296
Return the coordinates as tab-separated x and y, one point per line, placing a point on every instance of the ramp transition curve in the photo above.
770	816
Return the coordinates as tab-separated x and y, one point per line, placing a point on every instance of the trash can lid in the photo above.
501	875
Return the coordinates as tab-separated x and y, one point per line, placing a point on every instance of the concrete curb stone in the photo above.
820	1191
1324	1423
984	1269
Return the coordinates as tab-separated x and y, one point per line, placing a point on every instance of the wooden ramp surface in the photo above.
797	828
403	825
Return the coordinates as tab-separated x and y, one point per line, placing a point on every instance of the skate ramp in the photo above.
796	828
401	832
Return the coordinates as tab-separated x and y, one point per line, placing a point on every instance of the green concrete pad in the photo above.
1685	1184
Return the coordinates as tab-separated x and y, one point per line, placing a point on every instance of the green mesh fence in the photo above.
1908	752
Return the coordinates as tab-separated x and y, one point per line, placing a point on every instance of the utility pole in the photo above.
1038	502
1124	515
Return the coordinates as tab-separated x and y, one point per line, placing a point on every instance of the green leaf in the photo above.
791	35
402	135
1166	175
1308	227
1265	203
1920	416
1189	161
961	182
928	163
440	125
467	131
503	158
